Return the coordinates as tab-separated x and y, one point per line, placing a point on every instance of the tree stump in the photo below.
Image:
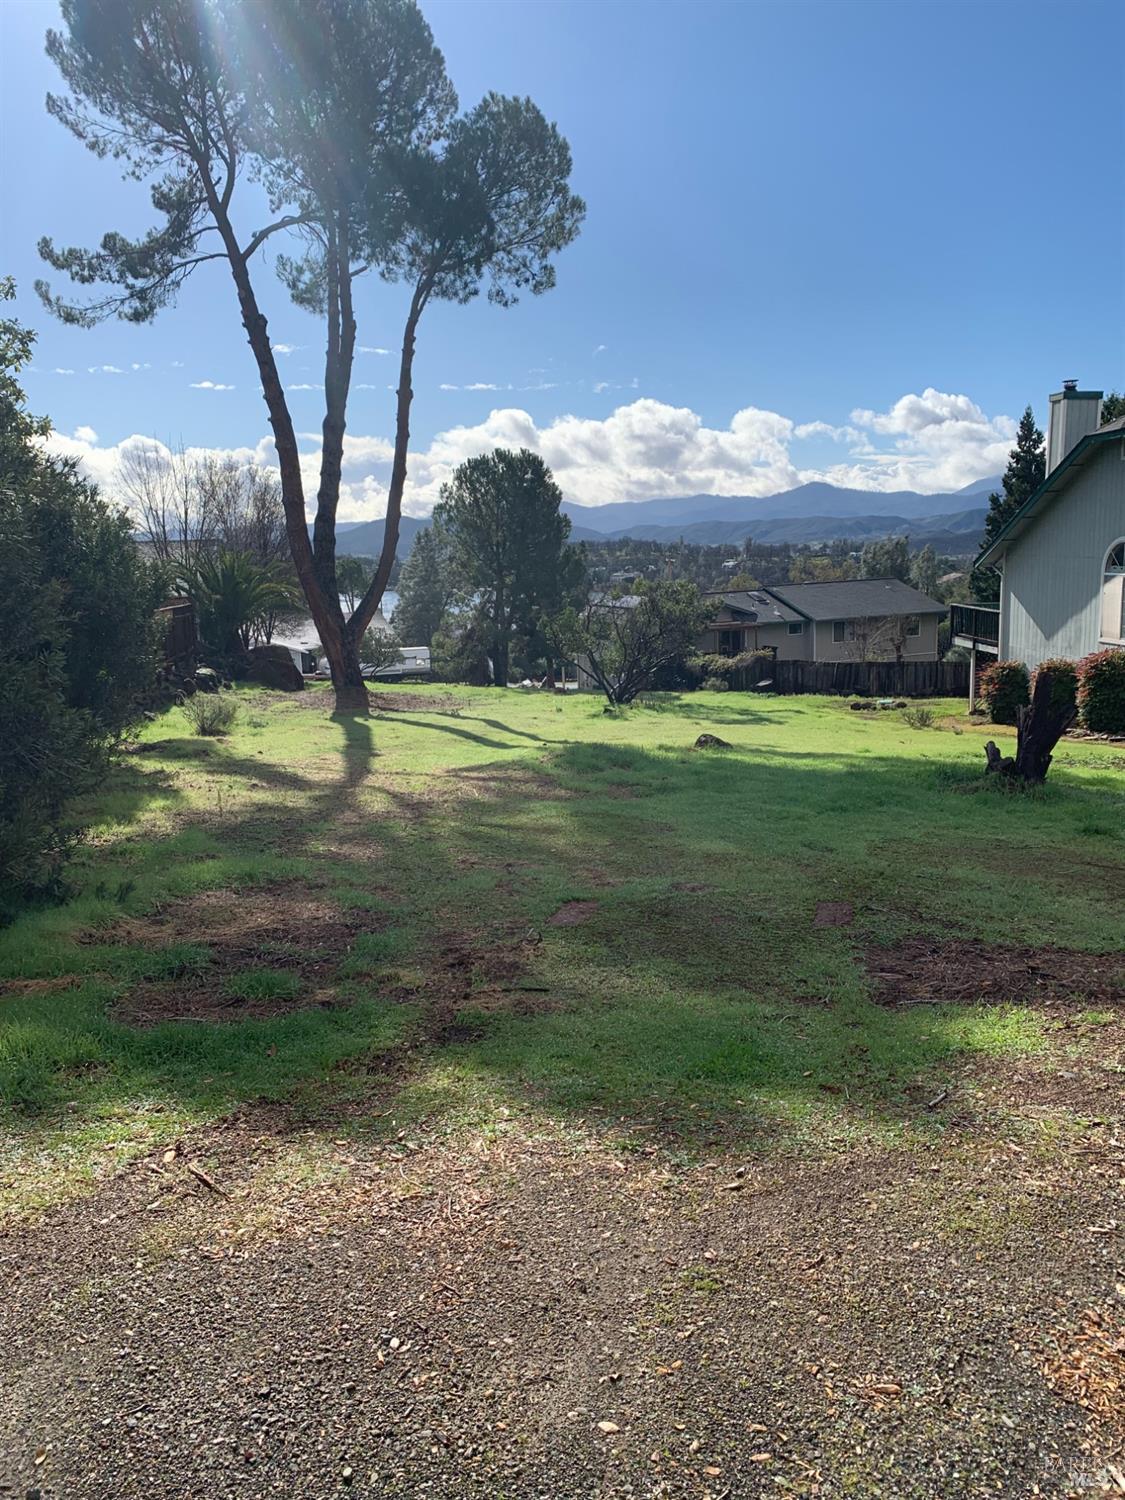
1040	725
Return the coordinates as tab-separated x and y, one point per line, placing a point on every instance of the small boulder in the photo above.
711	742
207	680
274	667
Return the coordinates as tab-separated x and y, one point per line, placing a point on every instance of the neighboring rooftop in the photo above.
757	603
856	598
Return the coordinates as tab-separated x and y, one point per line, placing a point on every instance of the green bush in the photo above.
77	634
1064	684
1101	692
1004	687
49	751
211	713
919	717
715	684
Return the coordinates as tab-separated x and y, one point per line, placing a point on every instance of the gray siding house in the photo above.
1061	557
861	619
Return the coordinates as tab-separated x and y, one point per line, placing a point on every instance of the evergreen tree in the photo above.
507	543
888	557
924	571
1027	468
424	590
1113	406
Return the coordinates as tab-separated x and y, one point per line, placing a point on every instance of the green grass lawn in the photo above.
695	1001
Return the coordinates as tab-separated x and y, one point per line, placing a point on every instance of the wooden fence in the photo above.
867	679
179	645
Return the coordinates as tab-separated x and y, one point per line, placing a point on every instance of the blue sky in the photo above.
843	240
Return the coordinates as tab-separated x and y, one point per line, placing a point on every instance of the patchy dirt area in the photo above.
535	1314
834	914
420	703
573	913
285	929
923	971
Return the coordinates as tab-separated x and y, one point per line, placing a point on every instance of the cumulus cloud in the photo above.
286	348
103	370
304	386
647	448
60	371
210	385
445	386
370	349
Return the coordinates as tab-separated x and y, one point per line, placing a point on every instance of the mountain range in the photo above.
814	512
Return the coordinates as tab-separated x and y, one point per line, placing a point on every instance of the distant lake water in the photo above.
302	633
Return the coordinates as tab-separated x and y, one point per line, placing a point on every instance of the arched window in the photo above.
1113	593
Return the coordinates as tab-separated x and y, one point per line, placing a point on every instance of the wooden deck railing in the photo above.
975	622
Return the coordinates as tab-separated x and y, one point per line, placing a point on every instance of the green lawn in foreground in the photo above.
697	997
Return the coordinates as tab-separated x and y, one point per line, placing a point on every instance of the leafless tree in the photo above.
174	514
245	503
877	637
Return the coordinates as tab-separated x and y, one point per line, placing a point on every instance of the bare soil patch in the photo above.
280	927
419	702
834	914
924	971
572	913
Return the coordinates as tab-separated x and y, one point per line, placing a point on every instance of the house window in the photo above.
730	642
796	627
1113	594
837	630
913	625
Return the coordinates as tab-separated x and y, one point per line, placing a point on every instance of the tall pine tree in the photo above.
1026	471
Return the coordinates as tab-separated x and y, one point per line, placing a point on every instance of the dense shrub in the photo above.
919	717
1064	684
1101	692
1004	687
49	750
77	634
211	713
715	684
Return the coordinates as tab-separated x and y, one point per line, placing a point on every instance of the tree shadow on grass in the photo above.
698	995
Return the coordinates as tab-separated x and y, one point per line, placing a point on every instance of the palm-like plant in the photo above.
234	594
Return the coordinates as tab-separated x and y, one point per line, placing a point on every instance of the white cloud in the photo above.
60	371
145	366
446	387
103	370
210	385
602	385
286	348
482	385
601	348
177	364
646	448
369	349
304	386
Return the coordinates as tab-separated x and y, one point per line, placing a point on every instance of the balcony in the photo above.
975	625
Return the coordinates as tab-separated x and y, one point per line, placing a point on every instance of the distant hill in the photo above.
810	513
816	500
984	486
365	538
962	527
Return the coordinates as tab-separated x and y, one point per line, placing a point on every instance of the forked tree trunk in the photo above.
1039	727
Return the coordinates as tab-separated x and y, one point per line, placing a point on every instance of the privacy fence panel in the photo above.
867	679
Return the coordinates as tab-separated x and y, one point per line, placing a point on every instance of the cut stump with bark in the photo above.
1040	725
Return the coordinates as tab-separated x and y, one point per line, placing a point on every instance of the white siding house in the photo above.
1062	555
